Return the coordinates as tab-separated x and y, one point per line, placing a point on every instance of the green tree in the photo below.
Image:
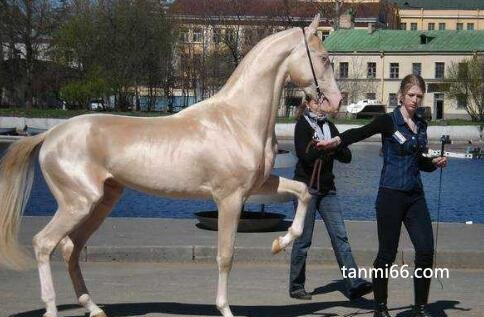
78	93
465	84
130	41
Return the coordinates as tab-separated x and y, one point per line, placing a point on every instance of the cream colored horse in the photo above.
221	148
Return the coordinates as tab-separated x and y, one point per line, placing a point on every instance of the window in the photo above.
461	101
441	26
417	68
371	70
431	26
470	26
343	70
230	36
413	26
462	71
394	70
459	26
197	35
392	100
403	26
344	100
184	35
217	36
249	37
439	70
371	95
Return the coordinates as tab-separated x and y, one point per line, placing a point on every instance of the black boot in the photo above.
381	310
419	311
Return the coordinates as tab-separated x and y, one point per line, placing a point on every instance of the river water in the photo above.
462	196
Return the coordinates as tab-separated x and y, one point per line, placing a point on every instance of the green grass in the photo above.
63	114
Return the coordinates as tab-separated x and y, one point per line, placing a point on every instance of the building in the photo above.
370	64
429	15
214	35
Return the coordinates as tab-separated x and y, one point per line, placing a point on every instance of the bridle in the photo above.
318	90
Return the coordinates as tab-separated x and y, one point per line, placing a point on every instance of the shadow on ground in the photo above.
139	309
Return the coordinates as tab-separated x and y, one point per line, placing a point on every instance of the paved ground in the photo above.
161	289
180	280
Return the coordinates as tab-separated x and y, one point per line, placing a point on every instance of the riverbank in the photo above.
458	133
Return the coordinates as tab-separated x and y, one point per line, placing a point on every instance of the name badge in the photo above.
399	137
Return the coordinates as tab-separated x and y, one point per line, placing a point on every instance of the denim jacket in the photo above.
402	157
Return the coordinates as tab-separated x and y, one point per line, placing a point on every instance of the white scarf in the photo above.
312	119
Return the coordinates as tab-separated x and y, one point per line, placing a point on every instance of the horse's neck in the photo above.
254	89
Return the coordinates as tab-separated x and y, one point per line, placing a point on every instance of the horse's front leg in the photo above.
280	185
229	209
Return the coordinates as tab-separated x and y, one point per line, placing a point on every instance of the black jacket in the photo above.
308	154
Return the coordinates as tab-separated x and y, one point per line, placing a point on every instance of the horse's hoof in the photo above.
48	315
100	314
276	246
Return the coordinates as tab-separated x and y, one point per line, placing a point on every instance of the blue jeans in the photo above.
329	208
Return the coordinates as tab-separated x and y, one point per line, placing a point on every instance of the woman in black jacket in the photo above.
400	197
315	168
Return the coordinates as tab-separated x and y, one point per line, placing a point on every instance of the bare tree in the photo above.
357	84
28	24
465	84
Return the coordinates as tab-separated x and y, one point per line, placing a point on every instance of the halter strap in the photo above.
320	94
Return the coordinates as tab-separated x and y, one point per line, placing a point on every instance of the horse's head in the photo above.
300	72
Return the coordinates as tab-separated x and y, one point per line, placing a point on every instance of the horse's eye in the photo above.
324	59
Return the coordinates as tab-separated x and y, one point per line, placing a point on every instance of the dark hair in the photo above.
304	103
411	80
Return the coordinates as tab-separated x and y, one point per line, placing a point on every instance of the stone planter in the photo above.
250	221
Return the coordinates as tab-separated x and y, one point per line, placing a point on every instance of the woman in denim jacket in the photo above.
400	197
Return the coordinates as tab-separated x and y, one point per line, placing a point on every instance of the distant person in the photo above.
315	168
472	149
400	197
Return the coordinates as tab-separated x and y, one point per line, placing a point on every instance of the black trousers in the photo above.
394	207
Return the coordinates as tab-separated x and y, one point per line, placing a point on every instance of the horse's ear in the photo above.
314	25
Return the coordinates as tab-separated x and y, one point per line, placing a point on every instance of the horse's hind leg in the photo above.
229	209
75	201
72	246
281	185
65	220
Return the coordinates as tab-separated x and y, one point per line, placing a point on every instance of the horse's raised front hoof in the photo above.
100	314
276	246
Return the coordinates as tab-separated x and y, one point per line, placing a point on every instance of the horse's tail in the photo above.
16	178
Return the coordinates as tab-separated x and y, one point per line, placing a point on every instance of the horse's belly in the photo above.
170	182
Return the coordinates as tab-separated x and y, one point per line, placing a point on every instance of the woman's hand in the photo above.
328	144
440	161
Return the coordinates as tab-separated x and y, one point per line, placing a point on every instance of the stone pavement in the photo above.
181	278
256	290
180	240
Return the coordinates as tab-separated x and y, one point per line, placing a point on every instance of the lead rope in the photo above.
316	174
438	218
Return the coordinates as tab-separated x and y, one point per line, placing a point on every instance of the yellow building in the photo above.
370	64
432	15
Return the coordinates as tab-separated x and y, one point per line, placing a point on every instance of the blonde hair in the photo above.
409	81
